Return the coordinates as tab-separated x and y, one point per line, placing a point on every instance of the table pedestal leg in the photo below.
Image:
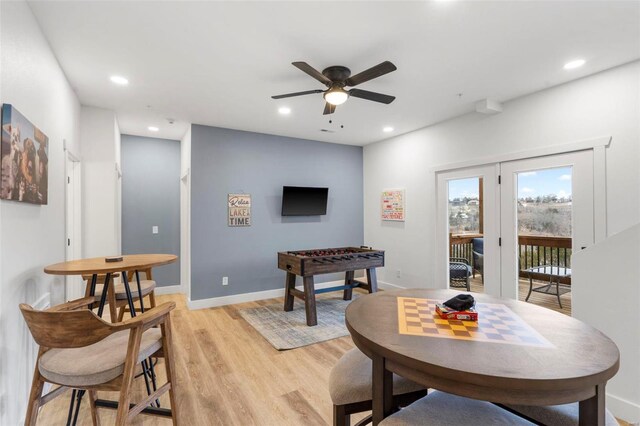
382	390
289	284
348	280
592	410
373	280
310	301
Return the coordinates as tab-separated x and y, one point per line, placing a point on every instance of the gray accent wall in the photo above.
227	161
151	197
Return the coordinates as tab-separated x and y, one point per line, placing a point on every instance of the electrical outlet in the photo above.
225	280
398	273
154	229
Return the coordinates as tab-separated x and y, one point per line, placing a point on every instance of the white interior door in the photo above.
488	198
74	284
581	198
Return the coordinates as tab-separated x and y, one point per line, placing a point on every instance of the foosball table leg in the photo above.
289	284
372	279
310	301
348	280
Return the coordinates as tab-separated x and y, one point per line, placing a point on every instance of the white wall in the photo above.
605	104
619	277
185	213
31	236
101	186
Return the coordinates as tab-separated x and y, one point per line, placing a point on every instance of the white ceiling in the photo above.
218	63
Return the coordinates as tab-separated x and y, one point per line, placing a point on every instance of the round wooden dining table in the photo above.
517	352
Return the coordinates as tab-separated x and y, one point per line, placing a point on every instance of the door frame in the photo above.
491	224
597	144
73	220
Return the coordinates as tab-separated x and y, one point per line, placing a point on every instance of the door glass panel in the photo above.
466	249
544	217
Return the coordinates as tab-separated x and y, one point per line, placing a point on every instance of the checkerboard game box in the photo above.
448	313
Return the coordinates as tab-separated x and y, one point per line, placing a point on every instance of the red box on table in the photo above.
448	313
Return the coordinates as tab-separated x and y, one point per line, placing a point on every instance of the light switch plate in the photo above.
154	229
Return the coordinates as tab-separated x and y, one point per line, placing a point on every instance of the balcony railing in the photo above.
534	250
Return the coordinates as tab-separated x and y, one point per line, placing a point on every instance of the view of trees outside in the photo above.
544	202
464	206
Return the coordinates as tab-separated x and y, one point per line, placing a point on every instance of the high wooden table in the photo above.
98	266
517	353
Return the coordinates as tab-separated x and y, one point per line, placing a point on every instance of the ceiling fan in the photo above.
336	78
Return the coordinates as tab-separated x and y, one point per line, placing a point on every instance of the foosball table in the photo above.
308	263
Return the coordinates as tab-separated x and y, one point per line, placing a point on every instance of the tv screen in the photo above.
304	201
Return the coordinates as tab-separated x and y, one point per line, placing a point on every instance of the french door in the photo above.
468	213
559	189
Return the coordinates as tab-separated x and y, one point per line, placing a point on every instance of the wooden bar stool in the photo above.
81	351
117	296
350	388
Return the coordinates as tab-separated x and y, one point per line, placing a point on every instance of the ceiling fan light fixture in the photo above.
336	96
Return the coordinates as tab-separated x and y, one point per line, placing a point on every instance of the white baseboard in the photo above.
249	297
623	409
388	286
169	289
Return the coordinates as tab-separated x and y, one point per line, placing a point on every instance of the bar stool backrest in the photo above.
61	328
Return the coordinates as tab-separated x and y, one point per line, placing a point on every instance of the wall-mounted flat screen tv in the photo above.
304	201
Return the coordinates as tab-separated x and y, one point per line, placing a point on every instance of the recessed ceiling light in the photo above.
387	129
284	110
153	128
118	79
574	64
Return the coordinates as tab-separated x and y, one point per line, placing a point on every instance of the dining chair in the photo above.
117	301
79	350
459	273
350	387
444	409
557	415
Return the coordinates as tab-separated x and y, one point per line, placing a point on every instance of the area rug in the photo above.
289	330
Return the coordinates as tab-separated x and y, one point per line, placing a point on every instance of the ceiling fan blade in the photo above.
328	108
373	72
290	95
371	96
305	67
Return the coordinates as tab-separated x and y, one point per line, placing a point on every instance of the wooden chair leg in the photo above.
340	416
93	395
152	299
111	298
121	314
169	362
135	336
33	405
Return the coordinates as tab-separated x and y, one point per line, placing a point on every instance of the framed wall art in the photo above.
24	157
393	204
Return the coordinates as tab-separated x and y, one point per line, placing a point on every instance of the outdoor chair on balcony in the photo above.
478	257
459	272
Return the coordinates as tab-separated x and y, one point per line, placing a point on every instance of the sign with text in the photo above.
239	210
393	204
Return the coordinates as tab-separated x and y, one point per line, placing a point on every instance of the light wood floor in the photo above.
229	375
